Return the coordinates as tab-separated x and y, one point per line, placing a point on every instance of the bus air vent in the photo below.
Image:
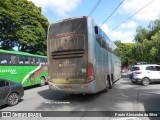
67	54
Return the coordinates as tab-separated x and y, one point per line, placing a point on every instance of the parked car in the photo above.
130	73
10	92
146	74
141	63
125	70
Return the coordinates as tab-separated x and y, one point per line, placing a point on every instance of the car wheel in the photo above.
13	99
145	81
134	82
42	81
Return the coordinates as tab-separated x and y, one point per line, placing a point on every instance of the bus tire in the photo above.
13	99
107	87
42	81
110	84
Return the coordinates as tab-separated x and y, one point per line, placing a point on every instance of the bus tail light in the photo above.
90	73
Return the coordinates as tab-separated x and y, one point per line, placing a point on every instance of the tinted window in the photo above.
3	83
21	59
38	60
151	68
157	68
4	58
27	60
33	60
43	61
96	29
135	68
68	35
6	83
13	59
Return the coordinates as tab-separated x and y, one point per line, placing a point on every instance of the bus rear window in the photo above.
68	35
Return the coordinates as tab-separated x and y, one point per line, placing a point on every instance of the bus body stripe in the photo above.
27	76
39	71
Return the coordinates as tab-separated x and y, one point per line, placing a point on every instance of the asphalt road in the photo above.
124	96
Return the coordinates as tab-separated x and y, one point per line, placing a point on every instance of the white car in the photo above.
146	74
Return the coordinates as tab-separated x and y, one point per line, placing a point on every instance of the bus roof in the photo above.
21	53
66	19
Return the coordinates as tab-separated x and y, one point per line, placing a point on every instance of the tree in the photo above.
147	43
142	34
23	26
124	49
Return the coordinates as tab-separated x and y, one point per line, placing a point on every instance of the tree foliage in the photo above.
146	47
23	26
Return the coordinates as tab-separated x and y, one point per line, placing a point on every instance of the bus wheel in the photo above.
107	86
42	81
110	84
13	99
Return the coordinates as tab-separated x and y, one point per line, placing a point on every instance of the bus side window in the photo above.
44	61
3	58
20	59
96	29
30	60
33	60
13	59
38	61
26	60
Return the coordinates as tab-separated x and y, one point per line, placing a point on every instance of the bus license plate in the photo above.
67	87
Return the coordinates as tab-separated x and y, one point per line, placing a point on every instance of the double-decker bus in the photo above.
81	57
22	67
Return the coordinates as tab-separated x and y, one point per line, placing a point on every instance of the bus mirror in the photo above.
96	29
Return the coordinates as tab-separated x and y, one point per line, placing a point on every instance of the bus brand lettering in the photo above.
67	74
67	63
12	71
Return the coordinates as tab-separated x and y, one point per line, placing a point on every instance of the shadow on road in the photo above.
4	106
72	99
79	102
32	87
122	94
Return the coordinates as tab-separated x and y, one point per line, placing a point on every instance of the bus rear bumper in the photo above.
74	88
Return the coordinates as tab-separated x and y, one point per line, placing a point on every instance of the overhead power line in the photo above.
132	15
95	7
112	12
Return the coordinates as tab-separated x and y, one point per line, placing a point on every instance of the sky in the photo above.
55	10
